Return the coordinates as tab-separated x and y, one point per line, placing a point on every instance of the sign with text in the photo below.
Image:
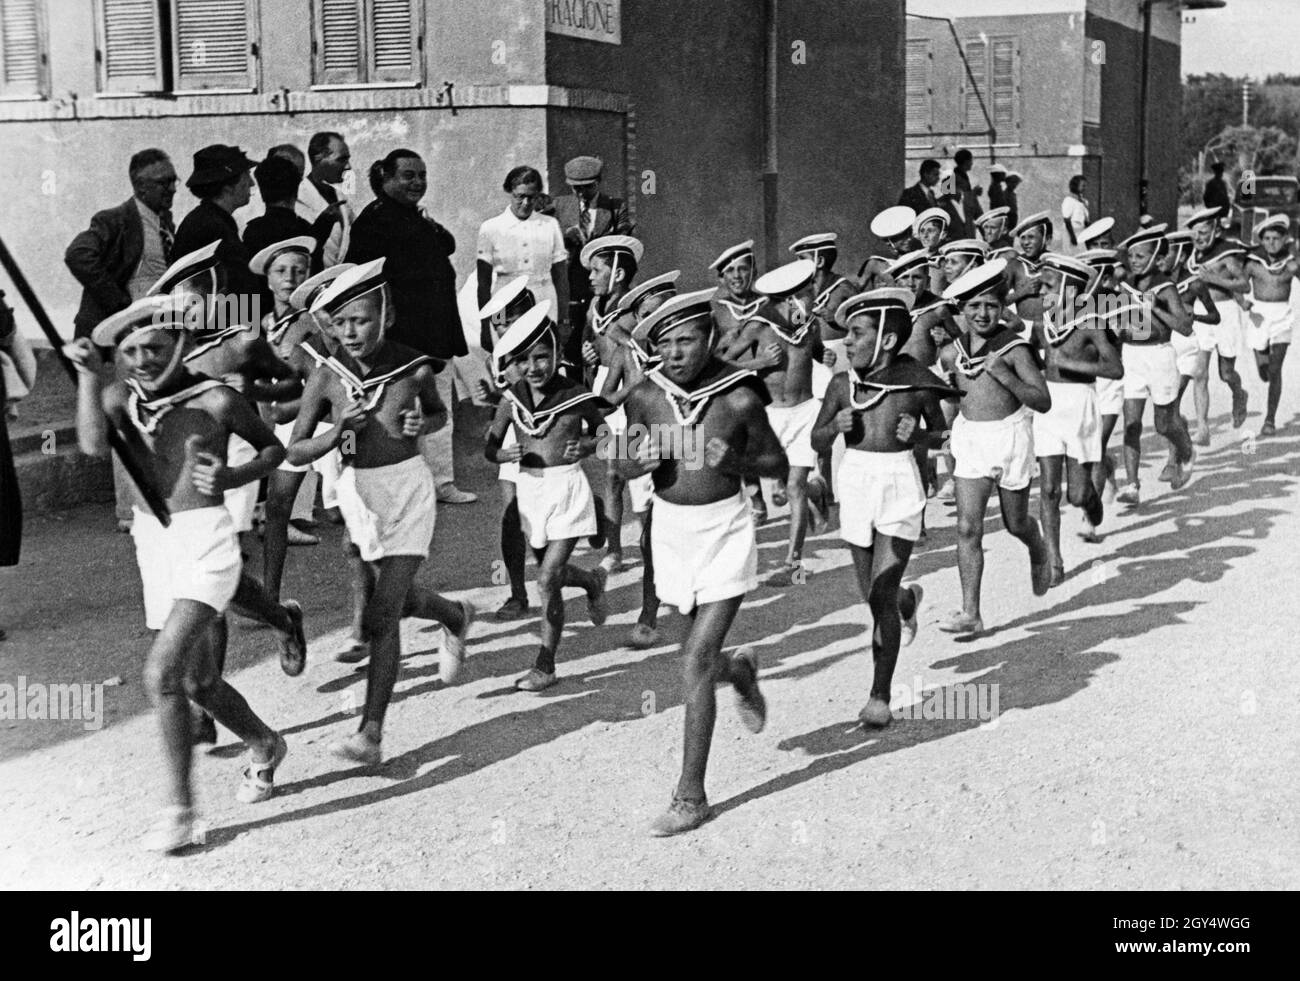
594	20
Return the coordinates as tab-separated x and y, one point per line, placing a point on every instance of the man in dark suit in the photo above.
125	251
923	194
584	215
126	248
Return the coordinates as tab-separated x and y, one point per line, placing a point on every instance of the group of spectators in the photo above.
128	247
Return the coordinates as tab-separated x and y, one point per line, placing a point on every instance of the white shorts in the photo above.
1187	355
1150	371
1110	396
1072	426
703	553
389	510
793	426
509	471
1000	449
555	503
642	491
241	501
821	380
1225	336
195	558
880	492
1269	322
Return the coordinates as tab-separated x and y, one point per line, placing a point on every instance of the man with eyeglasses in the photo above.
123	253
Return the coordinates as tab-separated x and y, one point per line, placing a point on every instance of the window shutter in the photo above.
393	50
1002	83
338	42
213	47
130	46
21	49
920	117
977	58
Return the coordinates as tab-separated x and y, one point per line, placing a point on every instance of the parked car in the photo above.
1272	195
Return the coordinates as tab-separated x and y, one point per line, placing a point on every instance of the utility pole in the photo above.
1245	102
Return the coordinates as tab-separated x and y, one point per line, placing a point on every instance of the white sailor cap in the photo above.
187	266
1281	222
930	214
353	284
1043	218
918	258
1180	238
984	278
1204	215
683	309
1096	230
812	244
786	280
1154	233
504	297
157	312
260	263
1069	266
617	244
998	169
965	246
309	288
664	283
884	298
893	222
532	327
733	255
993	214
1100	258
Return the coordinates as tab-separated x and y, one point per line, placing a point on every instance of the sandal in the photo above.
259	778
172	832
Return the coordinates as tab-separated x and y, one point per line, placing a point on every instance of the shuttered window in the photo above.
920	106
24	49
213	44
995	64
129	46
366	42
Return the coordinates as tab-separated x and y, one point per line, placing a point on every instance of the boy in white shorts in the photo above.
877	407
189	566
782	343
1110	391
556	422
703	529
381	397
993	438
1067	438
1152	312
1220	264
1192	368
1270	314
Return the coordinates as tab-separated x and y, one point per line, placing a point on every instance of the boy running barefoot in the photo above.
627	370
556	422
1220	264
1067	438
611	262
782	343
1150	315
1268	308
177	426
1110	391
703	530
876	407
377	393
1196	297
993	437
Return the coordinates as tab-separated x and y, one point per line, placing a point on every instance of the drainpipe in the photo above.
1142	108
771	239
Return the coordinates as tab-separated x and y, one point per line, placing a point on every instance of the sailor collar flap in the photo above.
904	374
689	406
146	413
824	296
1199	260
369	390
536	423
793	339
1276	266
972	365
215	341
741	311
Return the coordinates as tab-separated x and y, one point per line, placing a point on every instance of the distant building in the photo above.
1060	83
672	94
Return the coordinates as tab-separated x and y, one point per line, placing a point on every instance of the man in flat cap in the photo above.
584	215
222	183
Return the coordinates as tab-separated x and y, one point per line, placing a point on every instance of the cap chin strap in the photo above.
1155	254
167	374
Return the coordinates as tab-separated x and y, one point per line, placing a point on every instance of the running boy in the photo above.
1269	272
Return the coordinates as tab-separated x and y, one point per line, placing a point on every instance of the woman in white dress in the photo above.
522	241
